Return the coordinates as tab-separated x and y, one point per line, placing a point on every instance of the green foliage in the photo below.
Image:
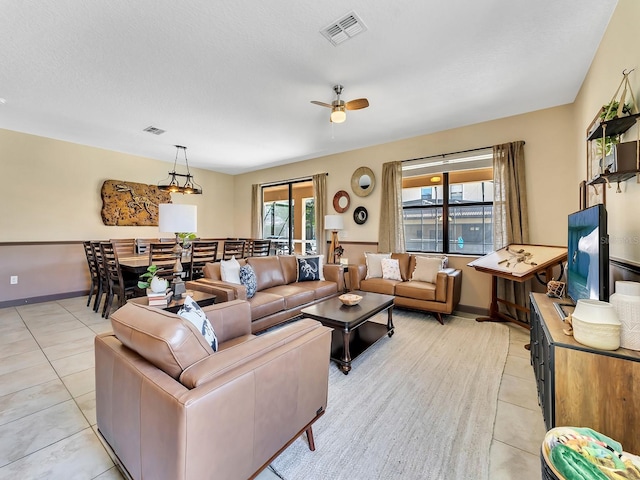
613	113
145	278
186	236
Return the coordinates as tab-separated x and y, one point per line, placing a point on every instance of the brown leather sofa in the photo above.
437	298
279	296
171	408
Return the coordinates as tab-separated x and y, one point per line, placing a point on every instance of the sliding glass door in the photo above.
288	217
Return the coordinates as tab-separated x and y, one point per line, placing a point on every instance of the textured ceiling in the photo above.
233	81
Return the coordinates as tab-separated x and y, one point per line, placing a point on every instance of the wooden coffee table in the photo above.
353	333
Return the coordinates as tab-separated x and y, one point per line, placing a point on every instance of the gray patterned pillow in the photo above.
248	279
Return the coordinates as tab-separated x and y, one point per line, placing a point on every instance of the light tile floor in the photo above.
47	399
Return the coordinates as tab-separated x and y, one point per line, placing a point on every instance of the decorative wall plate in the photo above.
360	215
341	201
362	181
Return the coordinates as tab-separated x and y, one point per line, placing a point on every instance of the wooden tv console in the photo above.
581	386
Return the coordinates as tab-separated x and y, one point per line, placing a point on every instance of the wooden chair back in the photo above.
202	252
124	246
162	255
233	248
259	248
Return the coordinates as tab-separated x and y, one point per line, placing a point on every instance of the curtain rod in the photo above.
442	155
282	182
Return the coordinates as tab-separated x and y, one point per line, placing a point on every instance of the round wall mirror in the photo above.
341	201
363	181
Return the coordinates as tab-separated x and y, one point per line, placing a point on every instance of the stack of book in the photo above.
161	299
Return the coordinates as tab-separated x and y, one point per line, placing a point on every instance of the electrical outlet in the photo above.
14	279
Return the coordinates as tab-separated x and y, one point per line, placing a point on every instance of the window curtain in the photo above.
510	218
319	202
391	230
256	211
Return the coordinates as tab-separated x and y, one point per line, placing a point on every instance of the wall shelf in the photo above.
613	177
615	126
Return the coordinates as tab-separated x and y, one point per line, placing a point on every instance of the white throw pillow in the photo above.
230	270
192	312
374	264
427	269
391	269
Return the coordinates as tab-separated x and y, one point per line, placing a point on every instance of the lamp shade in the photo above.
175	218
333	222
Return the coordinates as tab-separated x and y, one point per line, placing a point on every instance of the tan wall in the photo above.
51	193
549	159
619	50
51	190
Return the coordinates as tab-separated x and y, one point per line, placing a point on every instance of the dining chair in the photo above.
94	274
124	246
259	248
161	255
233	248
103	281
142	244
202	252
117	284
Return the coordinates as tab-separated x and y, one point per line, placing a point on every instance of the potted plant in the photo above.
150	280
186	238
609	112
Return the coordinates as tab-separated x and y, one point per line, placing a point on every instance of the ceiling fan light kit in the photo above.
339	107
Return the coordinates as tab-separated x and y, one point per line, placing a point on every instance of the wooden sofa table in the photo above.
353	333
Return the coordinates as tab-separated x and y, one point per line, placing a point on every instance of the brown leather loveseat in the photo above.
279	296
438	297
172	409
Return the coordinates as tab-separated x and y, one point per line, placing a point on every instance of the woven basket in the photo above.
548	470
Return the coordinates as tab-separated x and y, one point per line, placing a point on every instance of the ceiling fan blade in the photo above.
322	104
357	104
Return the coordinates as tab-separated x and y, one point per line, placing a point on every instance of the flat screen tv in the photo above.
588	255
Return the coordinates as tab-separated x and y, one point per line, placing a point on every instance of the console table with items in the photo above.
583	386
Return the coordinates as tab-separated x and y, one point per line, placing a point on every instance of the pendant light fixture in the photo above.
173	185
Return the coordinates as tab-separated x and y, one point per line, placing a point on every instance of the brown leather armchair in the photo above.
171	408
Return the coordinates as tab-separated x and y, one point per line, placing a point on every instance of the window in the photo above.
449	211
288	216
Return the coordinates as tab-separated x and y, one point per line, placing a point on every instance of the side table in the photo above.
202	298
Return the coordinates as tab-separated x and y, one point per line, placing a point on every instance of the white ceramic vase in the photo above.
158	285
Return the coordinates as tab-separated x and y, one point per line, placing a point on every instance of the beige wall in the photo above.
549	159
51	190
51	193
619	50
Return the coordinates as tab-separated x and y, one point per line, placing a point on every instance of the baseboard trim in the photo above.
43	298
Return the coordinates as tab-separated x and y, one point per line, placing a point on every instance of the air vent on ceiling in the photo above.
343	29
154	130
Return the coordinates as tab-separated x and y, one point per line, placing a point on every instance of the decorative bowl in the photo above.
350	299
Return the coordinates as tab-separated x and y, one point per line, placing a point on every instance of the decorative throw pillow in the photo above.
391	269
309	268
230	270
192	312
427	269
374	264
249	280
319	259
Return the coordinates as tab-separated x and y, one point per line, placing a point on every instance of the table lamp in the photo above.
178	219
335	224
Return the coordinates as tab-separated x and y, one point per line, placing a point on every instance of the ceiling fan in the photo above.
338	107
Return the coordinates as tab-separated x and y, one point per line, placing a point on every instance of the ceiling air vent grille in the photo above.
343	29
154	130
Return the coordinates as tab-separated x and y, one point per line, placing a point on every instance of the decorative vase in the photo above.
158	285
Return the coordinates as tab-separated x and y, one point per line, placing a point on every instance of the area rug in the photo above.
418	405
